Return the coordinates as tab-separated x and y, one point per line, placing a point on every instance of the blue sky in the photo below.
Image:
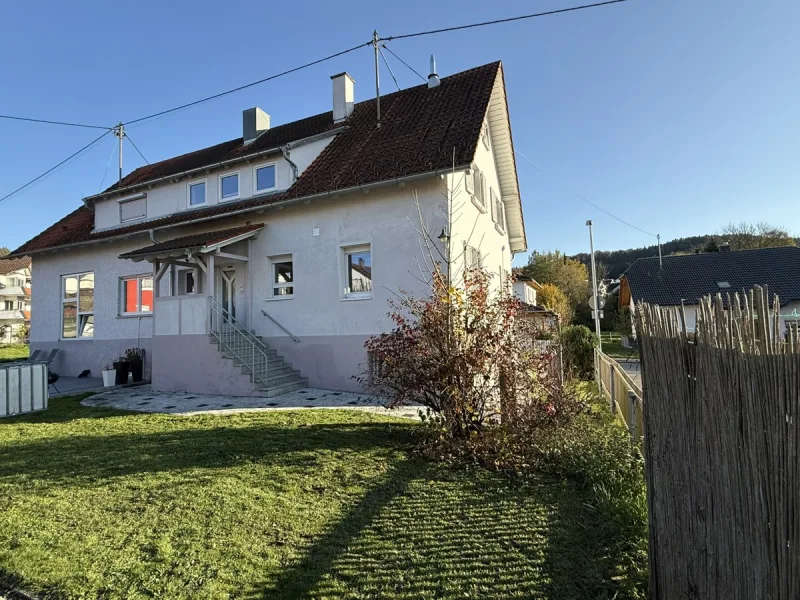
679	116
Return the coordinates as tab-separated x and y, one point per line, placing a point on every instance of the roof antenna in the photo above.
119	131
375	40
660	263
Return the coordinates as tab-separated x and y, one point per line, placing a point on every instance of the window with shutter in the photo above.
132	210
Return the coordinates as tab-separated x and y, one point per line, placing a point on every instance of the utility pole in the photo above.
375	39
594	289
119	132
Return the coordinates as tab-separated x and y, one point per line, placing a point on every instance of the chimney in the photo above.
343	96
726	247
433	78
254	122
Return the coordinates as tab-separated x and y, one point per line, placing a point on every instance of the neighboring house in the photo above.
298	234
684	279
525	289
15	298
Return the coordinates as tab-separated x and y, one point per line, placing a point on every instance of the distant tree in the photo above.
4	251
749	236
568	274
711	246
552	298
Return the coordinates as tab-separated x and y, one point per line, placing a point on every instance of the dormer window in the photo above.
197	193
265	178
229	186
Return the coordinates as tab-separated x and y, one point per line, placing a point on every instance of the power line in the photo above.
496	21
135	148
600	208
108	164
248	85
413	70
53	122
386	62
51	169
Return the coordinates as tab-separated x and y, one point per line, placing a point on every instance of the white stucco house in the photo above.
263	264
679	282
15	298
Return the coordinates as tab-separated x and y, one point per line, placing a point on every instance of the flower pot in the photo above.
109	377
136	370
122	368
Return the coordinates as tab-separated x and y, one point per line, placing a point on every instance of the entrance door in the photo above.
229	293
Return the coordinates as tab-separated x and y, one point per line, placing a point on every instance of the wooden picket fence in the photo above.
622	393
721	449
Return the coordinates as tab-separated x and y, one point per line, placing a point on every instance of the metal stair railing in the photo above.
236	340
286	331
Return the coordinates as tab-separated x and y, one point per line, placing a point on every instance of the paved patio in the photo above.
144	399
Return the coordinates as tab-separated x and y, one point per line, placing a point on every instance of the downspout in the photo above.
295	169
152	233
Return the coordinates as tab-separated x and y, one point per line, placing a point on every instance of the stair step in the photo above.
272	372
274	380
277	390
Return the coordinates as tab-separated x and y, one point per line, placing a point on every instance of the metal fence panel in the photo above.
23	388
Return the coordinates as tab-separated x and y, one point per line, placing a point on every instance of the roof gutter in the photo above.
249	209
222	164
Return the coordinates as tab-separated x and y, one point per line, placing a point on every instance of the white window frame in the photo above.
77	302
478	188
274	165
129	200
138	279
238	186
473	259
273	261
344	252
189	185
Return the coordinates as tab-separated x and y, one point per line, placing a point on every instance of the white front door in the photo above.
228	286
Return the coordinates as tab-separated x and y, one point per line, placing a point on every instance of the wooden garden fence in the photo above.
623	394
721	450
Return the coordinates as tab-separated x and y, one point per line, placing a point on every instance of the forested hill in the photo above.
617	261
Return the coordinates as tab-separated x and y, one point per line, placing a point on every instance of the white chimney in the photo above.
433	78
254	122
343	96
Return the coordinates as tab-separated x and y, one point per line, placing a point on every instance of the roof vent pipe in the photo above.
433	78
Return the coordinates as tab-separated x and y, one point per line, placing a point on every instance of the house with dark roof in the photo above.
262	264
15	298
684	279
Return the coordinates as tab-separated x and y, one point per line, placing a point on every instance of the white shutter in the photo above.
469	182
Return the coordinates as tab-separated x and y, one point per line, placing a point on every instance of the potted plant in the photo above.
109	376
134	357
122	368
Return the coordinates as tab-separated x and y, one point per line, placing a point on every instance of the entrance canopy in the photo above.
199	243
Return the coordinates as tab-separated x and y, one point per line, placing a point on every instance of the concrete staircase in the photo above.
270	373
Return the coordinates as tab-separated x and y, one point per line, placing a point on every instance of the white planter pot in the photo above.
109	377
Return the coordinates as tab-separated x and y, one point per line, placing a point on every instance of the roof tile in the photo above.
689	277
422	130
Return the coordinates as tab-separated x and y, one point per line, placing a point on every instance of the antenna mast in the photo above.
658	237
119	132
375	39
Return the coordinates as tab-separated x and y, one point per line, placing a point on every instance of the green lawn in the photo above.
292	504
13	352
612	346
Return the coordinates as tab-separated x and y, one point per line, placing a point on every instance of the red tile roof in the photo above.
197	240
422	130
9	265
